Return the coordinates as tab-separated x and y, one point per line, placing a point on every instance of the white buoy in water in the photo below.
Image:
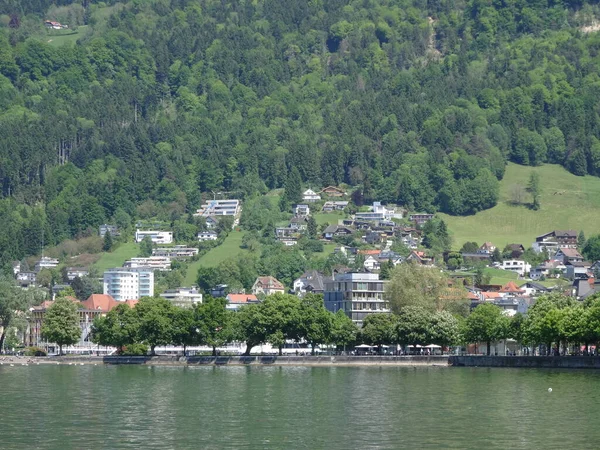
549	389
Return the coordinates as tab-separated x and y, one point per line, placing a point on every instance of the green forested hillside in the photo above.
417	103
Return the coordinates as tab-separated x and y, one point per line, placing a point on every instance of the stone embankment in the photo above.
531	362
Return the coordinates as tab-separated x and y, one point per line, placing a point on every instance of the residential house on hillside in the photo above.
518	266
584	287
207	236
420	218
516	250
215	208
372	238
371	263
548	269
26	279
236	301
332	191
421	258
176	252
105	228
299	223
531	289
151	262
301	210
157	237
334	206
212	222
567	255
336	230
76	272
310	196
554	240
311	281
45	263
487	248
378	212
579	269
267	286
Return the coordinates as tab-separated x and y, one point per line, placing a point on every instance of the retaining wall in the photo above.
561	362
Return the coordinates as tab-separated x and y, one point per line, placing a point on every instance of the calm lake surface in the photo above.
80	407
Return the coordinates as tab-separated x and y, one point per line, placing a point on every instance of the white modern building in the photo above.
220	208
152	263
516	265
45	263
158	237
358	294
76	272
128	284
183	297
378	212
207	236
176	252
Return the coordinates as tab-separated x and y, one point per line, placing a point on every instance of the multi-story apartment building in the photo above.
129	283
358	294
45	263
176	252
158	237
220	208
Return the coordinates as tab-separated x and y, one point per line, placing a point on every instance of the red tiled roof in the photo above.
491	295
369	252
100	302
241	298
511	287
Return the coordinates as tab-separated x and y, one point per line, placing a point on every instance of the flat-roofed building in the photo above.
129	283
157	237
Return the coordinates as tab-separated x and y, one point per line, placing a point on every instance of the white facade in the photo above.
176	252
207	236
220	208
516	265
152	262
302	210
158	237
73	273
378	212
128	284
183	297
310	196
46	263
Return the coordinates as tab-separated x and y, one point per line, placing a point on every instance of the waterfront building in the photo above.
183	297
358	294
129	283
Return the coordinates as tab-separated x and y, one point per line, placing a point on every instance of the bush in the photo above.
35	351
135	350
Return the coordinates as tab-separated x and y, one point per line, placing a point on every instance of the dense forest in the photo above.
414	102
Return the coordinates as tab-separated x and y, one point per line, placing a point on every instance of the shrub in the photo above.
135	350
35	351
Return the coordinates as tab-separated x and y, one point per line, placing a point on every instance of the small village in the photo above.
369	242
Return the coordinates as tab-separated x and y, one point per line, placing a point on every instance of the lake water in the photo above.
113	407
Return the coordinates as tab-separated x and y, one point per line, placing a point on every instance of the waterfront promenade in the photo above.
565	362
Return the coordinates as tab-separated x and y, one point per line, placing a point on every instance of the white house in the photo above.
302	210
215	208
207	236
176	252
516	265
157	237
371	263
45	263
183	297
378	212
310	196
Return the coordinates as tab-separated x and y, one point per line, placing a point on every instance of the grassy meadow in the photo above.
567	202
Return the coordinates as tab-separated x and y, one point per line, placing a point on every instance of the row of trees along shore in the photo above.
555	321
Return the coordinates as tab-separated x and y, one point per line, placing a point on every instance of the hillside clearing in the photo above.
117	257
567	202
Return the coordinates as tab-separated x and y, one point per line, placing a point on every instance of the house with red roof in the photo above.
236	301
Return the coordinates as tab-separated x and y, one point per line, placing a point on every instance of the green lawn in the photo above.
331	218
567	202
68	37
229	248
117	257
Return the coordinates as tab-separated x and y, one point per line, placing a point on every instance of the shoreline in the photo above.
522	362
